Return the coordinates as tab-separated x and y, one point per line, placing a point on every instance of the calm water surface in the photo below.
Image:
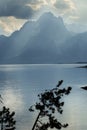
20	85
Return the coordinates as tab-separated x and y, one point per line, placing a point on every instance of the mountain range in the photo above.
45	41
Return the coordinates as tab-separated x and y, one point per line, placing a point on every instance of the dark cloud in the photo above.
17	8
65	5
25	9
61	5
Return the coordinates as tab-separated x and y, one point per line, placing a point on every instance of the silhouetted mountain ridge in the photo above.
43	41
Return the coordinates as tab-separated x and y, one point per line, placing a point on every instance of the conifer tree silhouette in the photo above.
49	105
6	119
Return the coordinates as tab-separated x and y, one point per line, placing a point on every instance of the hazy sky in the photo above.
13	13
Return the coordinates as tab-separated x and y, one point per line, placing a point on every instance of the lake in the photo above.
20	85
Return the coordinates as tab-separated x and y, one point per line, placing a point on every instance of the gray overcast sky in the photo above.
13	13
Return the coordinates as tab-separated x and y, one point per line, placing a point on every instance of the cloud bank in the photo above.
10	24
16	8
13	13
25	9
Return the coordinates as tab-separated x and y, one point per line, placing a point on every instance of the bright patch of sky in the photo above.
14	13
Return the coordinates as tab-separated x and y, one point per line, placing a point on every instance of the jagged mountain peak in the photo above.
50	17
43	41
45	18
46	15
